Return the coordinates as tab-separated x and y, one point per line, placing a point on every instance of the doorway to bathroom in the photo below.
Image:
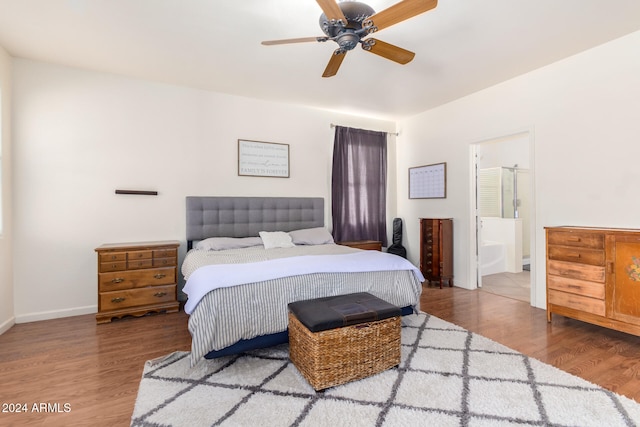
503	215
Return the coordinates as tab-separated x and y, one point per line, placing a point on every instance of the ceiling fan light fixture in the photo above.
347	40
355	13
348	23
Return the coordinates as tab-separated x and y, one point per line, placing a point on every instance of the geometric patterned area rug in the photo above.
448	376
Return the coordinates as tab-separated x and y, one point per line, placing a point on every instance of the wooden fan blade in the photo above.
399	12
387	50
332	10
298	40
334	63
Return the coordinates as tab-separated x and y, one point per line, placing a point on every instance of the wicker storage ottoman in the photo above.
339	339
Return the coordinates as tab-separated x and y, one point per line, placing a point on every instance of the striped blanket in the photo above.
222	315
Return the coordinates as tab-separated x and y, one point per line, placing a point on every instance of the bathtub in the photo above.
492	258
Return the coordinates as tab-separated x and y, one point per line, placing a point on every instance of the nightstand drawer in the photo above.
137	297
136	279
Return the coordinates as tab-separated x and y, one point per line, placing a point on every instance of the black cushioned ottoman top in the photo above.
322	314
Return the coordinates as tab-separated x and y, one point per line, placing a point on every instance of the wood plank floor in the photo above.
96	369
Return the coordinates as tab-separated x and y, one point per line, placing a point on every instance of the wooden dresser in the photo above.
137	278
593	275
370	245
436	250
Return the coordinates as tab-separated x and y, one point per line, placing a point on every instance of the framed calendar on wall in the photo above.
428	182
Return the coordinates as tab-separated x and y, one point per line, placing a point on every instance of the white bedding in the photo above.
230	313
210	277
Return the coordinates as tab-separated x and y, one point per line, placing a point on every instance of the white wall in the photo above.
79	135
584	114
6	272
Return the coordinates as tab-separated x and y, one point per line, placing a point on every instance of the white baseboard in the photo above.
56	314
5	326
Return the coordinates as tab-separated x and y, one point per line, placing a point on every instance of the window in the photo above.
359	185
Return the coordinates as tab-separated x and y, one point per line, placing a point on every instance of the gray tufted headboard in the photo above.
247	216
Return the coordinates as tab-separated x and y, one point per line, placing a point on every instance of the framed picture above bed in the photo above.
256	158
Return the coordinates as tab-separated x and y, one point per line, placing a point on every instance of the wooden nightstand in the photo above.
137	278
370	245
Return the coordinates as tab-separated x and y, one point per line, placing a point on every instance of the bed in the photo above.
239	284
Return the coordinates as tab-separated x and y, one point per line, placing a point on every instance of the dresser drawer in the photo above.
164	262
136	279
576	254
576	238
429	244
105	267
112	256
135	264
591	273
134	255
137	297
575	286
577	302
165	253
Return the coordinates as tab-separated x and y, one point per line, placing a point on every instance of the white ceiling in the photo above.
461	46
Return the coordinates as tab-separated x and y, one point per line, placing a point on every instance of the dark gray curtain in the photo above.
359	185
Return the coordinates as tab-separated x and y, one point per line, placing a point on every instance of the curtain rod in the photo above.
388	133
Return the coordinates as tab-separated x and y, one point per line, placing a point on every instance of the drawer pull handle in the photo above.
160	276
429	241
118	299
573	239
574	255
159	294
117	280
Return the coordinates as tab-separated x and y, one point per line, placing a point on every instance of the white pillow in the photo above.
223	243
311	236
276	239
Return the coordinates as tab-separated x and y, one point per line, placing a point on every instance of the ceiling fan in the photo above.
349	22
